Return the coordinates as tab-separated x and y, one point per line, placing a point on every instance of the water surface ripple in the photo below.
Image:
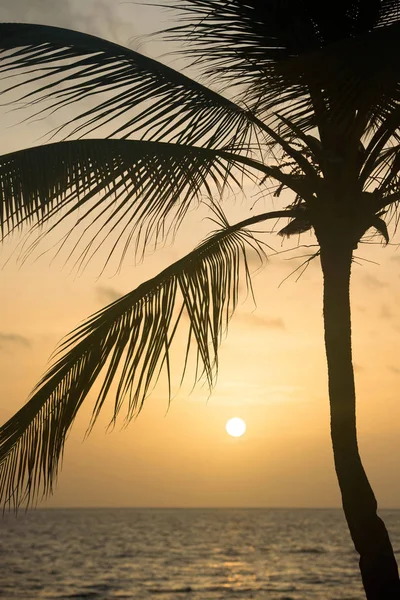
178	554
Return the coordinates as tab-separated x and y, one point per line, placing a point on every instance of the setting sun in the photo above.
235	427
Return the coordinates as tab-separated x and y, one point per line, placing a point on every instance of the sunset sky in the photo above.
272	363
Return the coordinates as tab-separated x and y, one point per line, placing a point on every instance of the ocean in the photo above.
181	554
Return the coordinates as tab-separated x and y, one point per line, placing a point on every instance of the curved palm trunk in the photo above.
377	562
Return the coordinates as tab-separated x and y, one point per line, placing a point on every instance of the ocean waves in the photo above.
138	554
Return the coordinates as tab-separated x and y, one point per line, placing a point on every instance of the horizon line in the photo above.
197	508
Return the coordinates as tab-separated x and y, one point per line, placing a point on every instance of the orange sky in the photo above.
272	373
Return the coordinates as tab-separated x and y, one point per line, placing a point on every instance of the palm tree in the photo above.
316	110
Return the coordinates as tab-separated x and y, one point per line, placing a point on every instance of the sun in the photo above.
235	427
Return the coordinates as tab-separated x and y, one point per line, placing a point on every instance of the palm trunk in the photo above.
377	562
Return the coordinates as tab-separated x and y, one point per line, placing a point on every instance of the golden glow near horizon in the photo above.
236	427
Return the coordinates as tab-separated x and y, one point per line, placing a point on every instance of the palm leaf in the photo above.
155	100
269	29
284	53
115	187
119	190
132	335
235	38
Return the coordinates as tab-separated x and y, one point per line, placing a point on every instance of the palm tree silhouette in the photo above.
317	111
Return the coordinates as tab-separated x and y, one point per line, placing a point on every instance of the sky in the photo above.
272	363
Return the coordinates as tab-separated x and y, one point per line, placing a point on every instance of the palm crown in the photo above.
310	100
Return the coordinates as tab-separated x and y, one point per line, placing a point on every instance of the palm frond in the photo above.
116	188
282	52
120	191
233	37
385	178
133	336
381	146
356	78
154	100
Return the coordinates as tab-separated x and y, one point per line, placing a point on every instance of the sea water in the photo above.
181	554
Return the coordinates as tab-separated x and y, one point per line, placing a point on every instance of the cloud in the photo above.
386	313
259	321
107	294
254	260
46	12
105	18
360	308
7	339
394	370
237	392
373	282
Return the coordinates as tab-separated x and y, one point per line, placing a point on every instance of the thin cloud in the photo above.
107	294
360	308
104	18
46	12
7	339
254	259
373	282
386	313
394	370
259	321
